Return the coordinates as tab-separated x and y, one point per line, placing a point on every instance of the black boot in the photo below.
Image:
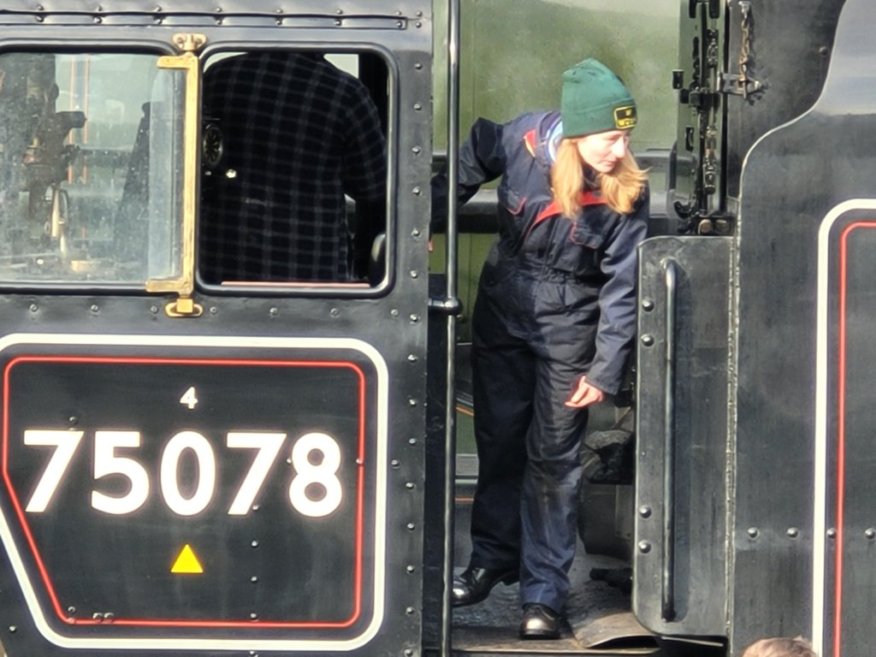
540	622
475	584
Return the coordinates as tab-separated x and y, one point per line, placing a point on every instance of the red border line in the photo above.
842	355
251	624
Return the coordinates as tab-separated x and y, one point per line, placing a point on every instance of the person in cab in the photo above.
298	135
552	327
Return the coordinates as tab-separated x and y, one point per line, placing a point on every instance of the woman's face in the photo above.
603	150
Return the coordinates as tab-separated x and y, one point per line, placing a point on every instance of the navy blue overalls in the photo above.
556	300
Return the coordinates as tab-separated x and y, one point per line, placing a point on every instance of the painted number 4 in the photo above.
189	398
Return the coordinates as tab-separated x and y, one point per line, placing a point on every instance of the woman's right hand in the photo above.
584	394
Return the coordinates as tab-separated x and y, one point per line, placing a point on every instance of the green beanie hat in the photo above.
595	100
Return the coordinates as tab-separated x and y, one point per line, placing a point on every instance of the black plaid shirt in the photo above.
297	134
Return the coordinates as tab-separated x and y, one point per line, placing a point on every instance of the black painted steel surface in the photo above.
804	483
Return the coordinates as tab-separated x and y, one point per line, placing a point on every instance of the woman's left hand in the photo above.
584	394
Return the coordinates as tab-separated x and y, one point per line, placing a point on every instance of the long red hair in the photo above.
620	188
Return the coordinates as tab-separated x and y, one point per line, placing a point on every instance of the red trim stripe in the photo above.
842	358
553	208
168	622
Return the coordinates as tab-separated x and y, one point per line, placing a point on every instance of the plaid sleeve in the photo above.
365	153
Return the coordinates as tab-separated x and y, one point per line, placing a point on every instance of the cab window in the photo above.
294	170
89	193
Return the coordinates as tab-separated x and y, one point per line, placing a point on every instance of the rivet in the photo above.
39	19
213	310
644	547
411	526
34	307
231	173
255	507
410	569
339	12
399	24
71	610
831	533
153	309
418	106
253	615
409	611
645	511
338	22
13	629
253	579
418	24
647	304
415	274
417	150
416	191
412	402
870	533
334	312
273	312
359	461
647	339
414	318
109	616
98	19
415	232
394	312
752	532
409	485
254	544
395	463
74	420
412	358
409	652
793	532
95	308
412	441
418	66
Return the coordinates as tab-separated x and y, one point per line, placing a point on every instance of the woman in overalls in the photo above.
552	326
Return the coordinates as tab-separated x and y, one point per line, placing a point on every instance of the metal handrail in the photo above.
670	280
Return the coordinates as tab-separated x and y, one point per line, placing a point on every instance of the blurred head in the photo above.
780	647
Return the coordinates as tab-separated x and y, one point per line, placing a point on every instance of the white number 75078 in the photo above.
321	472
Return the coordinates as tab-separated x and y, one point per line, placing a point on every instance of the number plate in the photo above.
163	487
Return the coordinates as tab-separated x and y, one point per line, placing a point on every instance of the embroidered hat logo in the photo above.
625	117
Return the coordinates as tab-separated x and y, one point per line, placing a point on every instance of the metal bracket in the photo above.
184	284
738	85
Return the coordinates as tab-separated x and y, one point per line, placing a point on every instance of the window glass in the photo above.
89	188
293	190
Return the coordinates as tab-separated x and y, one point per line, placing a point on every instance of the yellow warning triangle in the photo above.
187	562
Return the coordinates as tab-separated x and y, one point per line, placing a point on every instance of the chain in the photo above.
745	48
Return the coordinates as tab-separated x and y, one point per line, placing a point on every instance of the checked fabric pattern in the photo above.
297	135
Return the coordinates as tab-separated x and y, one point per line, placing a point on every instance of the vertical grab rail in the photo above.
452	307
670	279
